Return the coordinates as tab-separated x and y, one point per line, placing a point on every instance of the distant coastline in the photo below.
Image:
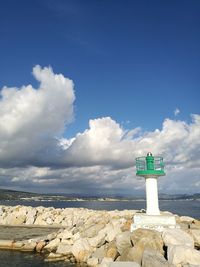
8	195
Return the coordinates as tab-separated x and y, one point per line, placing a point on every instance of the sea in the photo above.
25	259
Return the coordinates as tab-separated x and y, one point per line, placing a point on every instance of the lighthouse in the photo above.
151	168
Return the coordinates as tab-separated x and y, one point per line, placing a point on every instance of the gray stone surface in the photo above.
21	233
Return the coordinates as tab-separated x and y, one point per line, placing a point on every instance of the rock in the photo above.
111	251
53	257
183	255
30	217
66	234
106	261
49	221
99	253
81	250
17	245
186	219
40	220
92	262
190	265
127	225
123	241
131	254
195	233
6	243
52	244
153	258
92	230
197	223
64	249
29	246
112	231
14	219
98	240
40	246
177	237
124	264
144	238
1	211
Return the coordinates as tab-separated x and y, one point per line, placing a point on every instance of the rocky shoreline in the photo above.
101	238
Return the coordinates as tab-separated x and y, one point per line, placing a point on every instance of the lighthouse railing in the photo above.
141	164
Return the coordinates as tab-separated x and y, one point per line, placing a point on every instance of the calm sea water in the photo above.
24	259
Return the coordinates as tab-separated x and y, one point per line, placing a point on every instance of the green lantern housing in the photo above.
150	166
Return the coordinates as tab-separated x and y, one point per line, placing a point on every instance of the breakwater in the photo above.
100	238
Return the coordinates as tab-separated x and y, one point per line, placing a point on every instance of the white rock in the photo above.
186	219
40	220
52	244
92	230
64	249
81	250
153	258
183	255
111	231
66	234
177	237
99	253
195	233
92	261
49	220
97	240
1	211
123	241
106	261
31	215
124	264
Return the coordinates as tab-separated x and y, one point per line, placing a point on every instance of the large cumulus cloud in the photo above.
30	118
34	153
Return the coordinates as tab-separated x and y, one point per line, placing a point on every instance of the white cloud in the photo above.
31	118
176	111
35	155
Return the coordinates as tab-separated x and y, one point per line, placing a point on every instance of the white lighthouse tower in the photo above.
151	168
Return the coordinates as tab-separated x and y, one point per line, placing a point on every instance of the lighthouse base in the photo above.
153	222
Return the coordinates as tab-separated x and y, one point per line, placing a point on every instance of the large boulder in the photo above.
186	219
15	219
177	237
145	238
195	233
111	230
53	244
31	216
92	262
65	234
64	249
131	254
98	240
92	230
124	264
183	255
123	241
81	250
99	253
152	258
1	210
111	250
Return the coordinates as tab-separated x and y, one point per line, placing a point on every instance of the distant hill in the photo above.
21	195
14	195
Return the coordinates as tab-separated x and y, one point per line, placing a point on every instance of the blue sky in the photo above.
133	61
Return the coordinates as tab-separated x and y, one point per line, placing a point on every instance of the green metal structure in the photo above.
150	166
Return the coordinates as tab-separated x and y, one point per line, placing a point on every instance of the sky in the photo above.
88	86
